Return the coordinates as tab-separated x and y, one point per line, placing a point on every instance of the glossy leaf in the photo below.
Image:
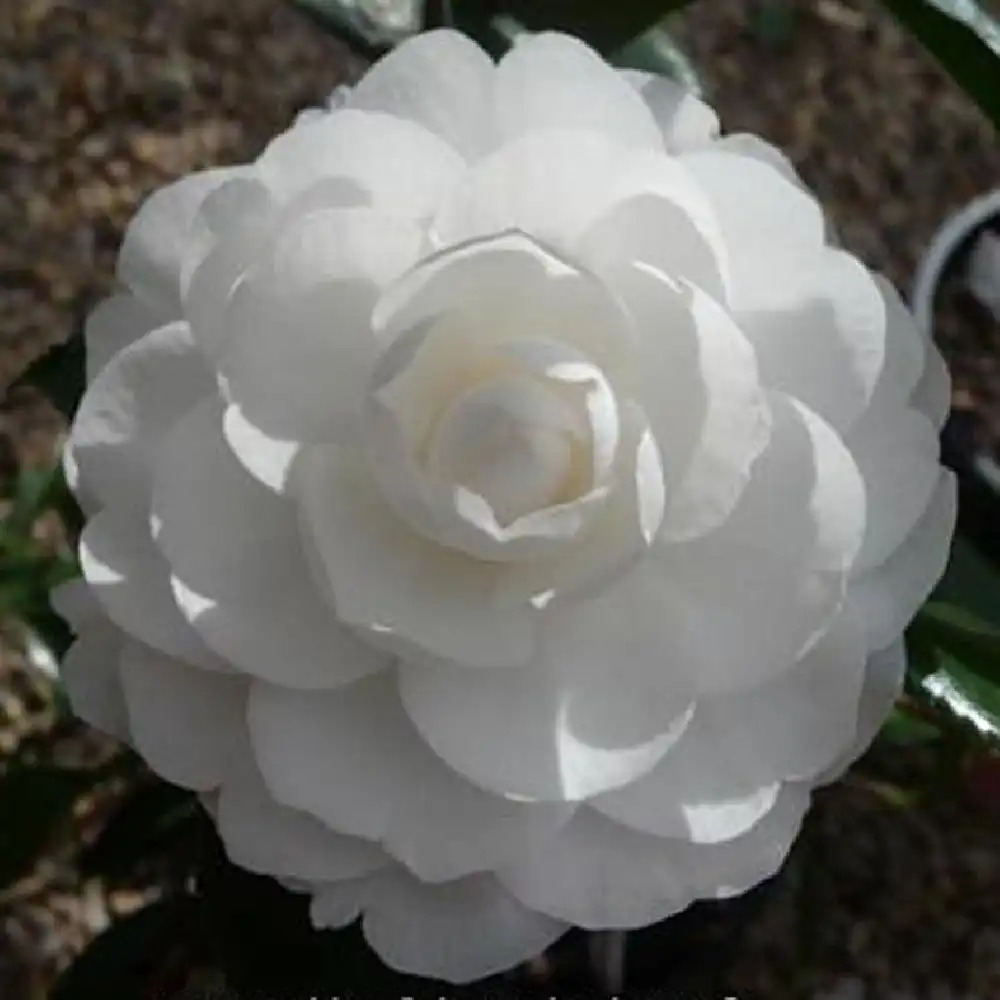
964	39
967	695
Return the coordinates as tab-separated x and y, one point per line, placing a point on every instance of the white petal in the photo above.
337	905
238	568
553	81
89	671
497	289
906	348
128	408
301	347
724	774
459	932
409	593
820	335
735	866
267	458
116	323
701	394
365	149
888	596
265	837
541	489
794	725
598	708
222	269
896	450
352	759
883	683
684	121
129	577
75	602
703	789
613	542
550	185
658	216
769	233
753	146
745	602
439	79
932	395
188	724
162	241
598	875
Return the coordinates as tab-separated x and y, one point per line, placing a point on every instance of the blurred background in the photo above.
894	891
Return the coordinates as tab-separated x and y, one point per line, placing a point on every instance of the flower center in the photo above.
513	441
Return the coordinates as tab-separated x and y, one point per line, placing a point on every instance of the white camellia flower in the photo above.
504	503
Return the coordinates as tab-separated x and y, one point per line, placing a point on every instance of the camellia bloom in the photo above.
504	502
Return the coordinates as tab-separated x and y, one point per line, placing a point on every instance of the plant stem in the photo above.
607	958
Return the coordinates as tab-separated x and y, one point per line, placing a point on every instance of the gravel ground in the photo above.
101	103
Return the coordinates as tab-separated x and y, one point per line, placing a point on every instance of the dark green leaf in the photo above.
972	582
964	39
128	960
962	634
60	374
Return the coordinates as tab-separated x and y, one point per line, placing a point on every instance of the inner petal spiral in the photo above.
513	441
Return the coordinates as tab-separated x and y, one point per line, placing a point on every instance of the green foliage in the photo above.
964	39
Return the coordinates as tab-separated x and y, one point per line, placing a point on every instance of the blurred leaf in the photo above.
59	374
903	728
773	22
972	582
35	800
150	824
126	961
348	21
607	25
964	39
656	52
